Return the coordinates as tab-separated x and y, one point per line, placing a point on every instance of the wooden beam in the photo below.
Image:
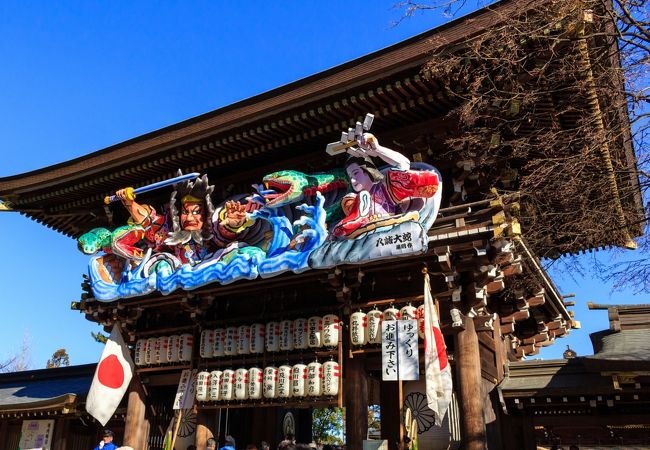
356	402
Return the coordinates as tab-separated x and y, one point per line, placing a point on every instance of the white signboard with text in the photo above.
186	390
399	350
36	435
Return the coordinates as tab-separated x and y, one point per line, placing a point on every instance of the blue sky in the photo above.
80	76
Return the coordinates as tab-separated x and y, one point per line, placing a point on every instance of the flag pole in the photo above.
178	424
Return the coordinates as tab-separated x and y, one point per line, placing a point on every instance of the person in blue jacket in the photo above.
230	443
107	442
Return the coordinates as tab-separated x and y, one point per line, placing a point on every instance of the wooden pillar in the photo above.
202	430
356	403
134	427
61	430
391	401
468	364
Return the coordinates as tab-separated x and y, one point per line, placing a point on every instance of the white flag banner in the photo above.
437	371
111	380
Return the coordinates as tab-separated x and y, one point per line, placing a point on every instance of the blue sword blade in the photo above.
158	185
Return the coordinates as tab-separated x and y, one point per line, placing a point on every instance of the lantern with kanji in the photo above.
270	382
230	342
149	355
244	340
298	380
255	378
286	335
300	331
219	345
358	328
227	383
163	349
272	337
258	330
331	376
140	352
421	321
330	334
174	348
284	382
202	386
374	326
185	347
314	332
314	379
214	393
408	312
207	344
391	313
241	384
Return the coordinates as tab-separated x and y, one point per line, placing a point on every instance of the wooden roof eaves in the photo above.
63	402
550	290
382	63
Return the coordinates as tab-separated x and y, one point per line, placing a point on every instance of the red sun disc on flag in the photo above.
110	372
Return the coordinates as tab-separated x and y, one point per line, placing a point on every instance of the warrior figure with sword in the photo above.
190	238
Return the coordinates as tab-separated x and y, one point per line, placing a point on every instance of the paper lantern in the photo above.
244	340
331	376
227	383
219	342
149	355
255	378
358	328
214	393
155	354
163	351
272	337
241	384
330	334
391	314
230	342
315	378
174	348
286	335
300	331
207	344
374	326
314	332
298	380
258	331
140	352
283	389
202	386
421	321
185	347
408	312
270	382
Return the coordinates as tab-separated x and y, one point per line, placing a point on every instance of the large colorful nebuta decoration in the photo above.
292	222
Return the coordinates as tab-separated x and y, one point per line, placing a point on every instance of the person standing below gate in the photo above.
230	443
107	441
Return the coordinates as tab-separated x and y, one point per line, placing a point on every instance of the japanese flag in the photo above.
437	371
112	378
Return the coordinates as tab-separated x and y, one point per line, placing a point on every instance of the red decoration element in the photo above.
440	345
110	372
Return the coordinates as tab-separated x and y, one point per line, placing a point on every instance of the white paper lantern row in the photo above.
365	328
284	382
286	335
163	350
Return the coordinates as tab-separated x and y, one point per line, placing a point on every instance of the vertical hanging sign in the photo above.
399	350
186	390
